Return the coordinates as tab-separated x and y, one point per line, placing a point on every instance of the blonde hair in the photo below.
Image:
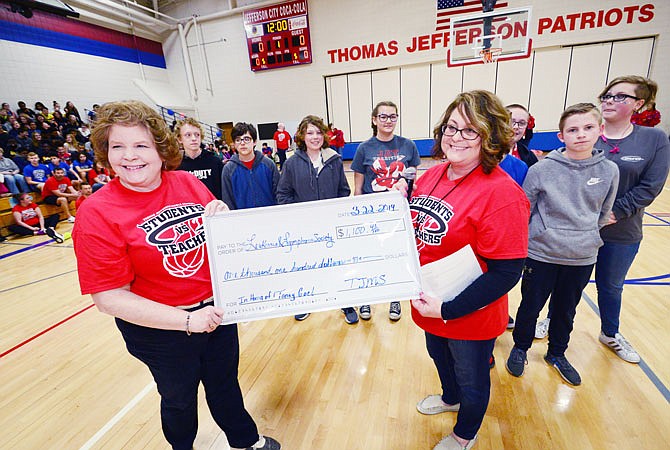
187	121
130	113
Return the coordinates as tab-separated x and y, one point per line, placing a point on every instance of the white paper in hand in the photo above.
449	276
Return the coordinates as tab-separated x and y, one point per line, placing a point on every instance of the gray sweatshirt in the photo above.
570	200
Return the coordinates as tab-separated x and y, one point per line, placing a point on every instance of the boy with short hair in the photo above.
571	193
86	192
249	179
35	174
58	191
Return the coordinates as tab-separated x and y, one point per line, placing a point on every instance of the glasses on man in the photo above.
387	117
519	123
467	133
619	98
245	139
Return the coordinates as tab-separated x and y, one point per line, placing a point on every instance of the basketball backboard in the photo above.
488	37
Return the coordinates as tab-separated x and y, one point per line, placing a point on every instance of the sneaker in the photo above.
433	404
510	323
542	328
41	232
450	443
70	219
516	363
621	347
492	362
55	235
364	312
394	311
564	368
301	317
265	443
350	315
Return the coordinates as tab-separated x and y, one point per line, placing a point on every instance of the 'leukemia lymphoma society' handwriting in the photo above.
287	241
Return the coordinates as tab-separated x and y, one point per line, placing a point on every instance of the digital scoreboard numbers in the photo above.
278	35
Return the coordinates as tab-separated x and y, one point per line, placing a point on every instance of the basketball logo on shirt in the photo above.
386	174
178	233
430	217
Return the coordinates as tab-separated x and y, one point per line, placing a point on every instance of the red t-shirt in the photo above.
154	241
52	184
79	201
103	175
283	139
28	214
489	212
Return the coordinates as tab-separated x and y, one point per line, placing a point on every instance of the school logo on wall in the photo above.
430	217
178	233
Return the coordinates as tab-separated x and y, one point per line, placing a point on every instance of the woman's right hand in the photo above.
215	206
205	320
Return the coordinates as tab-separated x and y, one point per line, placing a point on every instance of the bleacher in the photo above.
7	218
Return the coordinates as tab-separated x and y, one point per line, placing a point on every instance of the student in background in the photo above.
571	193
204	165
282	142
249	179
643	157
379	163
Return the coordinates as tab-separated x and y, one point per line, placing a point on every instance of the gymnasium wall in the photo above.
577	47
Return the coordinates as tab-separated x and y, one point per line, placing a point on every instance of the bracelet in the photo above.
188	324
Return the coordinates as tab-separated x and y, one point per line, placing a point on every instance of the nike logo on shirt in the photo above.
594	181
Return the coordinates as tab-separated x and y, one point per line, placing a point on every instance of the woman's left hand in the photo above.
428	306
215	206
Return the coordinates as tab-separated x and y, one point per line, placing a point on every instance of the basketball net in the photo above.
490	55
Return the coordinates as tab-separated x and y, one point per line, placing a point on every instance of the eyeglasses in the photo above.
467	133
619	98
245	139
387	117
519	123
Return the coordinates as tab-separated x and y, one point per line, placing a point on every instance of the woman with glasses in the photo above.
468	200
313	172
379	163
642	155
249	179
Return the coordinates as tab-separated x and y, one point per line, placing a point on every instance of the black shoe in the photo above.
564	368
516	363
55	235
510	323
365	312
301	317
395	311
350	315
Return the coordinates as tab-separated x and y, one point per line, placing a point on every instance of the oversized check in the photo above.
313	256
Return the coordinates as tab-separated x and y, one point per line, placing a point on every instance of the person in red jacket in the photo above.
336	138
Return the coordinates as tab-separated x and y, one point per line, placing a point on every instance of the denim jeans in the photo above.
16	183
178	363
463	368
613	263
565	285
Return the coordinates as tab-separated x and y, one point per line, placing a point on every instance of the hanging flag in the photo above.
449	8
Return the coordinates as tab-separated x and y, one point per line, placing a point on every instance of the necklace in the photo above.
444	174
614	146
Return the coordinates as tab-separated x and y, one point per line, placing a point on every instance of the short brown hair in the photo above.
130	113
489	118
579	108
187	121
302	130
645	88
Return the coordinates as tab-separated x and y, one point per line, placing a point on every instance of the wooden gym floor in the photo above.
67	382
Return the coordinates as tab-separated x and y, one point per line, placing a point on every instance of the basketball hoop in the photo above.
490	55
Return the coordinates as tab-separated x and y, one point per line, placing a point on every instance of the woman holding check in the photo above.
468	200
141	255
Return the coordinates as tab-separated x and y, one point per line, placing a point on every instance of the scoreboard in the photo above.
278	35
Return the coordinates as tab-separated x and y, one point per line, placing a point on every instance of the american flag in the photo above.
448	8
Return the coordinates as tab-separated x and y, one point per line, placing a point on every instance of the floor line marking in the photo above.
21	344
25	249
648	371
37	281
117	417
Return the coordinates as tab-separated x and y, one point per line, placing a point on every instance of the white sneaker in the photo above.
70	219
542	328
450	443
621	347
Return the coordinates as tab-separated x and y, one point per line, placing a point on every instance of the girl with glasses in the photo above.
642	155
379	163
